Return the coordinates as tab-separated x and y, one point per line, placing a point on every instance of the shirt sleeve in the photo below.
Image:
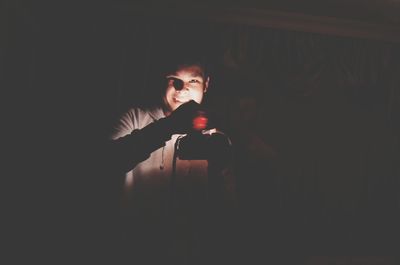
129	144
123	126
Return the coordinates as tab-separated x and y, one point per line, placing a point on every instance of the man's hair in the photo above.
172	61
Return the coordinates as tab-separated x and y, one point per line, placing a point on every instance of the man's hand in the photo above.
181	120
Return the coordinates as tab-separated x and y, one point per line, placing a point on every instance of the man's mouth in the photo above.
180	100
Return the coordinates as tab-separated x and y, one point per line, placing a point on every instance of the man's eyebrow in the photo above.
196	76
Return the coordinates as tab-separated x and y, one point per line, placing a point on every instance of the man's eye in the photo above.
172	80
194	81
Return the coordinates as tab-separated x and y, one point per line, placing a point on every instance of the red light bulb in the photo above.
200	122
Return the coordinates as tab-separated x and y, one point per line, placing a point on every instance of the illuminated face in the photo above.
186	84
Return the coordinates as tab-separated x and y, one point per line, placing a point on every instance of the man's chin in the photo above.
174	106
178	103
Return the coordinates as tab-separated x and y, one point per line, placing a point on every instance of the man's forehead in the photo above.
191	70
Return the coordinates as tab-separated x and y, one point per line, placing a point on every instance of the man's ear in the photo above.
206	84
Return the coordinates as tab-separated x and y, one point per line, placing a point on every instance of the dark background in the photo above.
329	108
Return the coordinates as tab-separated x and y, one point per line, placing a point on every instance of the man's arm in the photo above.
129	150
129	146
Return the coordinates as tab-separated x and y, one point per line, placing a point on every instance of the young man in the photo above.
170	193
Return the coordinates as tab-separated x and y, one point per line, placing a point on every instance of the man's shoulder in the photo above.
139	112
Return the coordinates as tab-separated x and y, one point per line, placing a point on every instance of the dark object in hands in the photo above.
181	120
215	147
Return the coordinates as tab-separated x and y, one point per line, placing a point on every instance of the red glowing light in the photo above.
200	122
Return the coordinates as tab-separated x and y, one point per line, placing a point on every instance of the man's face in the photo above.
193	86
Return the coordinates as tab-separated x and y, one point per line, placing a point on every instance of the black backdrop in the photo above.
327	180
